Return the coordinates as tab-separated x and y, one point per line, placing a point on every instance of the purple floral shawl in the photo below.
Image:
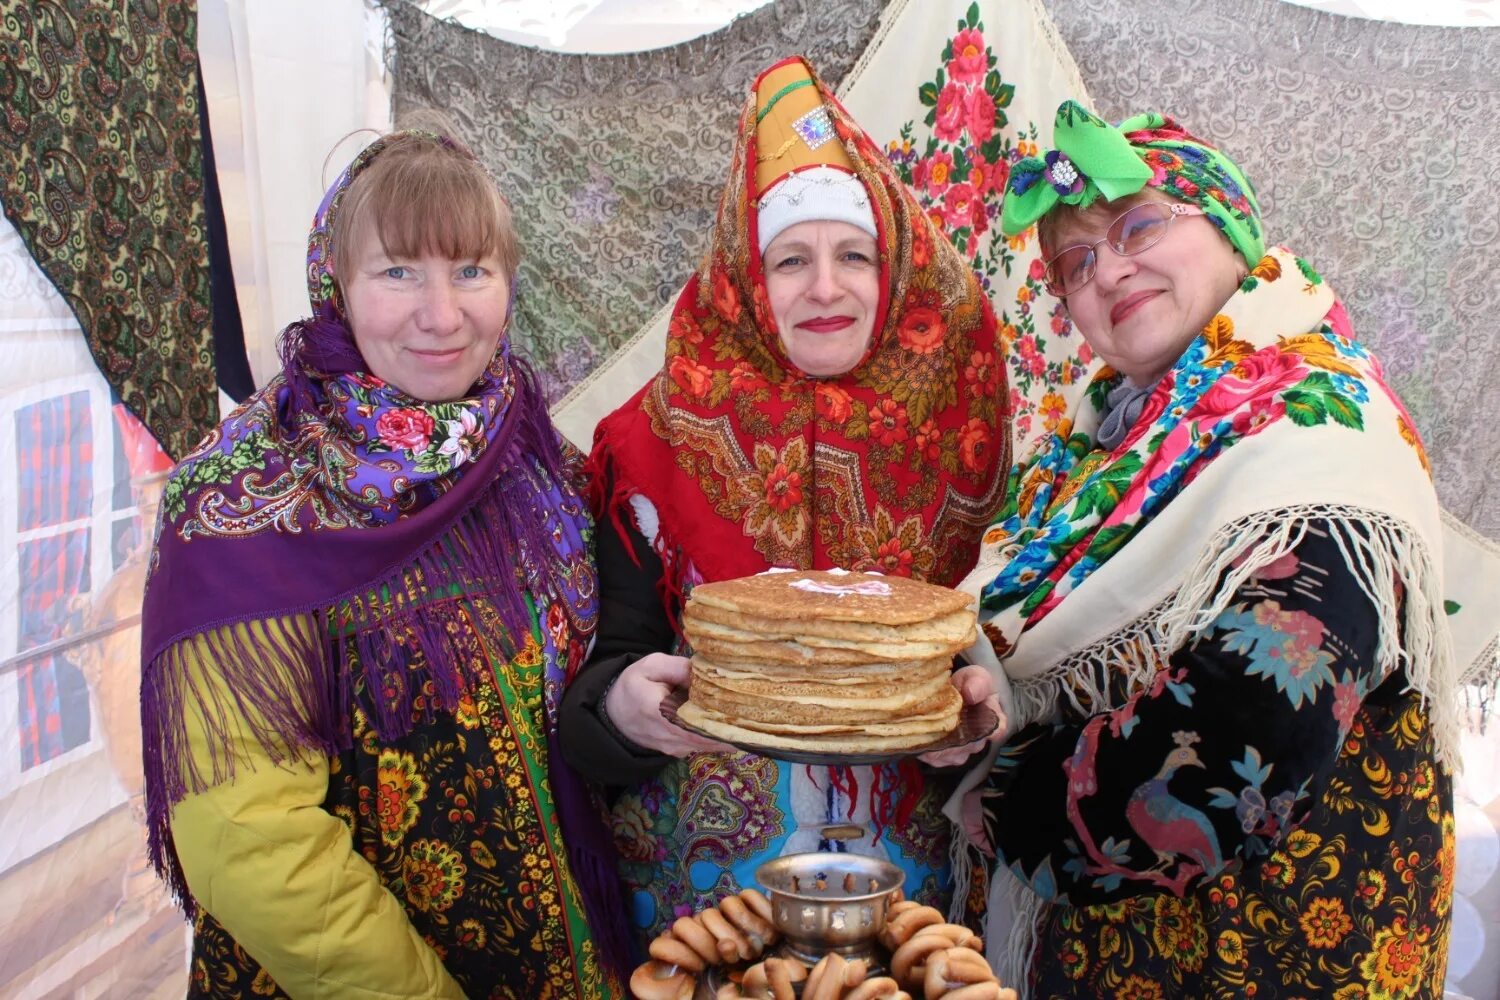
331	497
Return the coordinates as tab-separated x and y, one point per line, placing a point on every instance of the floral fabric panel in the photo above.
1264	819
957	160
457	819
101	172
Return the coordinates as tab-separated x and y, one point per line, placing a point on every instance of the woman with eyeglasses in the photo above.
1215	597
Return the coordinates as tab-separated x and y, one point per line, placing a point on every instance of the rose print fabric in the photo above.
895	466
956	158
387	455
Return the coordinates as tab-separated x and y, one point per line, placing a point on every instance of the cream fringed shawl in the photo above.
1104	564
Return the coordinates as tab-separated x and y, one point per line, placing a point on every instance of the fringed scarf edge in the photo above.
1394	567
287	689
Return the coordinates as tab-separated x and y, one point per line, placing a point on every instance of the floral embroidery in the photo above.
1325	923
452	820
433	874
401	791
1341	889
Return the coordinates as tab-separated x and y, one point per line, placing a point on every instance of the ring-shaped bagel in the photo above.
957	934
655	981
697	937
750	923
908	963
948	970
826	980
669	951
977	991
758	903
730	941
879	988
781	974
906	923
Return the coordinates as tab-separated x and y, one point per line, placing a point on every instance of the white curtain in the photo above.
289	83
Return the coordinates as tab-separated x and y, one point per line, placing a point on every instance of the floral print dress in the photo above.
458	820
1265	818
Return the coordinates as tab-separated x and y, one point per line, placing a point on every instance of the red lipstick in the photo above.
826	324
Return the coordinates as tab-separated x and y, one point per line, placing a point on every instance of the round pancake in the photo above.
832	744
833	595
805	707
950	627
769	653
864	676
872	650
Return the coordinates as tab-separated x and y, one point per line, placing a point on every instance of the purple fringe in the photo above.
594	861
292	685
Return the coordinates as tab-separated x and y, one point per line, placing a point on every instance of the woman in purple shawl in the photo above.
368	584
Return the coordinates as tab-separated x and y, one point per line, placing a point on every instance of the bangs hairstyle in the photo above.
420	196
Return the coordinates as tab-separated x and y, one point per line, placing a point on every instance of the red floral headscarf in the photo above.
897	465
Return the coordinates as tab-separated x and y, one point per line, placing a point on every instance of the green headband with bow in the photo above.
1094	159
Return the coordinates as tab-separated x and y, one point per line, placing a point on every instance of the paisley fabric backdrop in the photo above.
955	90
101	172
613	163
1374	142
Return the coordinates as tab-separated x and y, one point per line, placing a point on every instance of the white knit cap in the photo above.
815	194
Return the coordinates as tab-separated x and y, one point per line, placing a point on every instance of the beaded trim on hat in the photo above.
793	194
815	127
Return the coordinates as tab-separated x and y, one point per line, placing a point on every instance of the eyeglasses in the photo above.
1139	229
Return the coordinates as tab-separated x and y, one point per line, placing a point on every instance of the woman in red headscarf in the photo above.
830	398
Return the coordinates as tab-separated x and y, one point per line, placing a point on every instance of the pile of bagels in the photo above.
930	959
738	929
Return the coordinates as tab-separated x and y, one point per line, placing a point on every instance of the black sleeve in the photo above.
632	623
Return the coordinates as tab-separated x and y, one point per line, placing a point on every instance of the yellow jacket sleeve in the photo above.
281	875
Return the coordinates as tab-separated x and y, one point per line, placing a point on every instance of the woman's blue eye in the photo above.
395	272
471	271
791	261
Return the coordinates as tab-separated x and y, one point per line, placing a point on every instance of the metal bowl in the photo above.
826	902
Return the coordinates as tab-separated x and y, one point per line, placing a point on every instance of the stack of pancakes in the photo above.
825	660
